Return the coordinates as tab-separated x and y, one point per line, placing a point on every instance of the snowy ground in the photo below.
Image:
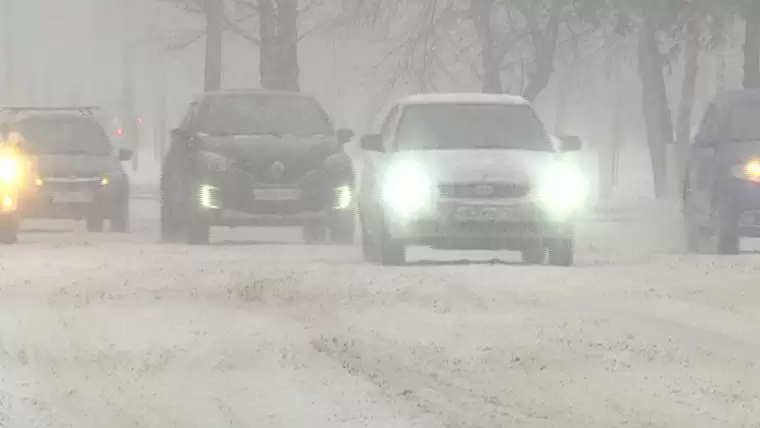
260	330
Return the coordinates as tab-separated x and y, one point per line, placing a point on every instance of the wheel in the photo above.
391	253
369	249
8	229
197	228
724	233
343	228
169	227
533	253
314	233
94	220
692	234
562	252
120	217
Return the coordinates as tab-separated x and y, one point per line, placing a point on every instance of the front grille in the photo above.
265	171
484	190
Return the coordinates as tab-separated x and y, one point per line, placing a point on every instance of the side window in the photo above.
385	129
191	117
708	129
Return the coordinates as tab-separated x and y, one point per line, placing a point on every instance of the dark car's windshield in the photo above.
63	135
270	114
745	122
471	126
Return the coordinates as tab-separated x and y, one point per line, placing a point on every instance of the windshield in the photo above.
471	126
63	135
745	122
263	114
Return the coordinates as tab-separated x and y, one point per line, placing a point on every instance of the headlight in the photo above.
749	171
208	197
407	189
343	197
563	190
215	162
9	169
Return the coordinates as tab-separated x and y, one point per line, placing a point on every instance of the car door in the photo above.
704	163
372	165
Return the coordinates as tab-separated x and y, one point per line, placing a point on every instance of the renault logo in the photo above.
484	190
277	170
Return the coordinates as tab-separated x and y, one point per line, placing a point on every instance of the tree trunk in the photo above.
268	49
655	105
481	12
752	46
688	89
545	48
287	43
214	10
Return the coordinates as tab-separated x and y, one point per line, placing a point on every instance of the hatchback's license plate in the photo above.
277	194
480	213
72	197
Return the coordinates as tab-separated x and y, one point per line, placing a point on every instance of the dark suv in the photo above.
721	189
71	171
257	158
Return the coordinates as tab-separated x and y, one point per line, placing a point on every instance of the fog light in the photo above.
208	197
343	197
104	181
38	181
7	202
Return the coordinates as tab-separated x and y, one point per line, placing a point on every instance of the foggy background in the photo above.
150	54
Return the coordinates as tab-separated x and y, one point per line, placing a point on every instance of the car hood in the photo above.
266	146
460	166
74	165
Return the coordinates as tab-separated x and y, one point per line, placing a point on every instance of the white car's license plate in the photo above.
486	213
72	197
277	194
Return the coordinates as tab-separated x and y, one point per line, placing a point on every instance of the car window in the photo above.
385	127
744	122
263	114
63	135
465	126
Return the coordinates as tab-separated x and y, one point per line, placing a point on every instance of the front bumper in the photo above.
68	198
446	228
242	208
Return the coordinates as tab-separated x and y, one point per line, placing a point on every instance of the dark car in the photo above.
721	188
257	158
71	170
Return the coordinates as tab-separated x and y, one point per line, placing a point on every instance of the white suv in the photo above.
468	172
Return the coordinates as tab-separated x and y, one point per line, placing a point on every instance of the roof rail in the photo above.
85	110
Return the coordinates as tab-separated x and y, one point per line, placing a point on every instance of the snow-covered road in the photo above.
260	330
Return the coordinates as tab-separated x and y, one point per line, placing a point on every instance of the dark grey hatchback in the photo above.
75	173
721	188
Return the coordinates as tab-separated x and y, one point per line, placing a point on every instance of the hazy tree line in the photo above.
510	46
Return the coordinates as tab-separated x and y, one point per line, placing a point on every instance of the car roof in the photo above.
41	114
736	96
263	92
463	98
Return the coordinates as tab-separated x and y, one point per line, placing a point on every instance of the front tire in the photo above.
391	252
343	228
533	253
9	226
315	233
120	217
724	238
562	252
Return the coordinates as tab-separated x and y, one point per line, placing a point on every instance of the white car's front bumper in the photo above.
479	224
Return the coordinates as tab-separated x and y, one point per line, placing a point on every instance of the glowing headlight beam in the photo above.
207	197
9	169
563	190
408	190
343	197
749	171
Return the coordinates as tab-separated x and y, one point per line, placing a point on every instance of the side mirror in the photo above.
182	134
344	135
703	141
570	143
125	154
372	143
